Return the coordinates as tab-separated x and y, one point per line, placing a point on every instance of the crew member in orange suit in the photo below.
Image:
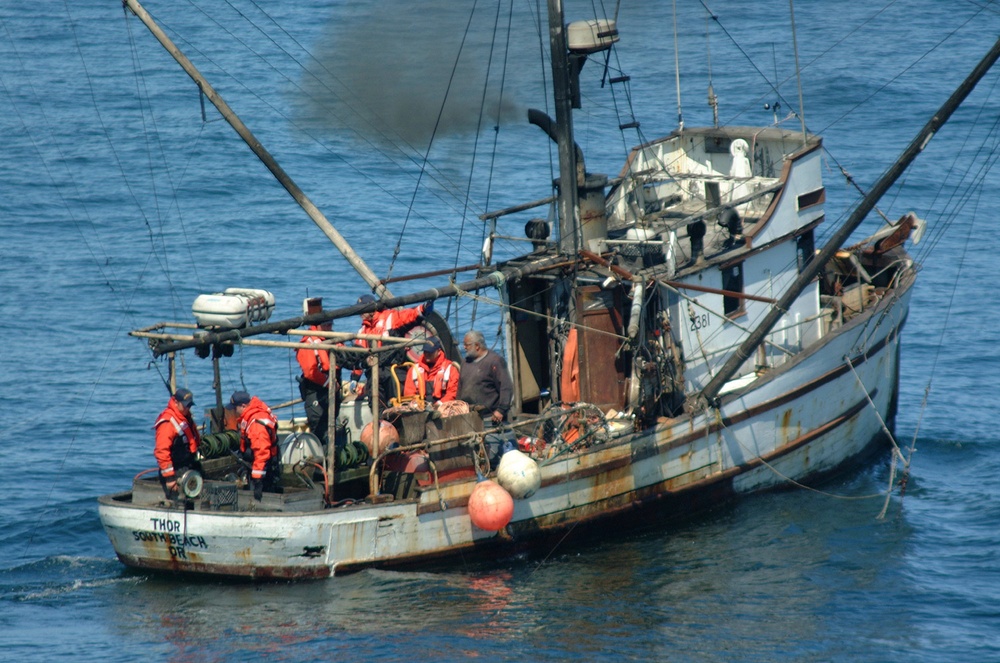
177	440
317	371
434	377
387	322
390	321
258	442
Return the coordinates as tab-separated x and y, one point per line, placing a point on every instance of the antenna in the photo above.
713	101
798	72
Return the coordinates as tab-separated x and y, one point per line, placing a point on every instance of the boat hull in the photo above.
827	408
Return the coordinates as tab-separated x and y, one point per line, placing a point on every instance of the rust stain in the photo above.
232	570
786	423
685	459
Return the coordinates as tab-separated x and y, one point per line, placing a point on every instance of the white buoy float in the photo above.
519	475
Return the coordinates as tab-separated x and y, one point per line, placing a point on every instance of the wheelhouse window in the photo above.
812	198
732	281
805	249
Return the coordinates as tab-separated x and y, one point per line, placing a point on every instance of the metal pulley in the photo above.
190	483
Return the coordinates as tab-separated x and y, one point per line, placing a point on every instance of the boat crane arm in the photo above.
493	279
258	149
916	146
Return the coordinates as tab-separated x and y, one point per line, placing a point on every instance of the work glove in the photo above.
427	308
258	489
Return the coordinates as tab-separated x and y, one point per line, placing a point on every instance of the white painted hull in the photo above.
808	418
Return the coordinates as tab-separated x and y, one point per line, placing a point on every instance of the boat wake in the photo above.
58	576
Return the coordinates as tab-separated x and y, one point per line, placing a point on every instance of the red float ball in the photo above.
490	506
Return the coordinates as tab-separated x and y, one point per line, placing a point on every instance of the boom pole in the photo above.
916	146
258	149
494	279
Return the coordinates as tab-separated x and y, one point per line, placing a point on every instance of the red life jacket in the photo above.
315	363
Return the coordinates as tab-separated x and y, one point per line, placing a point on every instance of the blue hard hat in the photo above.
240	398
184	397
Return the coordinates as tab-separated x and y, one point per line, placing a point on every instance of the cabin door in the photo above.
599	337
529	356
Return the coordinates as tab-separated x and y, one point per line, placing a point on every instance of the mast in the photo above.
916	146
258	149
561	82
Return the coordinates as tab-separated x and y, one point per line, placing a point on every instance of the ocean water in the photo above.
119	203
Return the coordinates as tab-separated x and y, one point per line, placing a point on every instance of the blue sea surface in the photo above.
120	202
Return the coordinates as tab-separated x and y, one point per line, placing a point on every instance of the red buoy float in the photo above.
490	506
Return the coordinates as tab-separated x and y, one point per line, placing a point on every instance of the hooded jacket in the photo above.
259	433
172	427
442	375
384	322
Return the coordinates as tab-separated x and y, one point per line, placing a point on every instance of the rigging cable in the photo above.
991	154
848	177
430	143
496	134
897	454
364	114
777	84
713	101
882	88
712	15
531	313
110	277
758	456
433	173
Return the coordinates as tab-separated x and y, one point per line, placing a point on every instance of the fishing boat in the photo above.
677	340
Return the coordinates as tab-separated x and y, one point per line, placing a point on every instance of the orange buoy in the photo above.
490	506
387	437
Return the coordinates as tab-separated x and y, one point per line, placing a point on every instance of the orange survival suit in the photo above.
442	375
177	439
259	434
382	323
